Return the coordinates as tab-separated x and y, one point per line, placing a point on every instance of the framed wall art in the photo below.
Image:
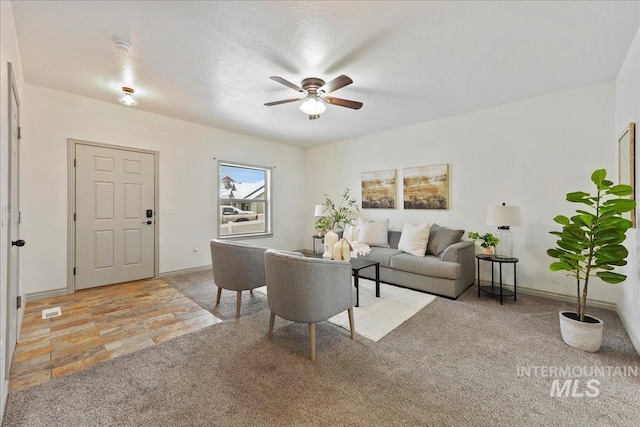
626	164
426	187
379	189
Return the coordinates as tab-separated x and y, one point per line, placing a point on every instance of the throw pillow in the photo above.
373	233
414	238
441	238
350	233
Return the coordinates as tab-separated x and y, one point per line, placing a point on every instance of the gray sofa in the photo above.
449	274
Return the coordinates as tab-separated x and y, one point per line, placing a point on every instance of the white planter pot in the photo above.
584	336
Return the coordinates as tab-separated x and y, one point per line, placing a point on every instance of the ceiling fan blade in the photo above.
343	102
284	101
335	84
287	83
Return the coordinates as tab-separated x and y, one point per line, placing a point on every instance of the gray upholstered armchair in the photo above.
237	267
308	290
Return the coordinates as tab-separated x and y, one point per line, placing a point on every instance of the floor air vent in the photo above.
51	312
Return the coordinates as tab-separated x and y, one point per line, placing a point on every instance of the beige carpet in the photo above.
376	317
454	363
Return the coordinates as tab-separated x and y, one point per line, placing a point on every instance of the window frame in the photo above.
267	201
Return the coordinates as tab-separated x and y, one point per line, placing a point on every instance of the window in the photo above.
244	194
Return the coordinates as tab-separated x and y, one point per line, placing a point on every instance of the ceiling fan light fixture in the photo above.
128	99
313	106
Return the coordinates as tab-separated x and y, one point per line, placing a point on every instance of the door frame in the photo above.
11	187
71	203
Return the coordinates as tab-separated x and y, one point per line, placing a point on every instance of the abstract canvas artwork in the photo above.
426	187
379	189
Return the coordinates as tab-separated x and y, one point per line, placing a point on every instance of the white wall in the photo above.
628	110
187	179
9	52
529	153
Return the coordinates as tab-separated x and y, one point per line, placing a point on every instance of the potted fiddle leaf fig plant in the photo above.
488	241
590	245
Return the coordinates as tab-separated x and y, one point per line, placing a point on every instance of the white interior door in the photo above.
115	234
14	232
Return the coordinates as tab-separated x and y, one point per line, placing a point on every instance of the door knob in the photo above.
147	222
18	243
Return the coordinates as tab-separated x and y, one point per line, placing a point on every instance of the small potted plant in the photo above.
590	244
488	241
322	224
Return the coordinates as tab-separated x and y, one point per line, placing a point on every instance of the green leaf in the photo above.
558	266
610	277
614	252
616	222
621	205
561	219
570	246
573	264
621	190
579	197
598	176
555	253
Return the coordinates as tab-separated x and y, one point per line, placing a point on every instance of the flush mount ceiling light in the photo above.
127	99
315	90
313	105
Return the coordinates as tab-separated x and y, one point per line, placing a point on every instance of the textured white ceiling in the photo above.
210	62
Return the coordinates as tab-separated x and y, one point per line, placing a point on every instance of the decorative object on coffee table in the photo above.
504	216
340	213
590	244
342	250
488	241
330	239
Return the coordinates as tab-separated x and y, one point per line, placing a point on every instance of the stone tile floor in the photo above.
100	324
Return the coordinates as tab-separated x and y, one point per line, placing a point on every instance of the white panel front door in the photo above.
114	237
14	233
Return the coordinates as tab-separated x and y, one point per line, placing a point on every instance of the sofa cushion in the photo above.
373	233
427	266
440	238
382	255
413	239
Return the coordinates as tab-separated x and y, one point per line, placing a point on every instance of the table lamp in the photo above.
504	216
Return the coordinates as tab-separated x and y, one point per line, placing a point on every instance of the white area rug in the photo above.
376	317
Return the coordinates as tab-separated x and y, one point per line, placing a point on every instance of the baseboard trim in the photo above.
635	340
186	270
559	297
5	395
36	296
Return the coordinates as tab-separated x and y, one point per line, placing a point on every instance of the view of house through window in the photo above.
243	199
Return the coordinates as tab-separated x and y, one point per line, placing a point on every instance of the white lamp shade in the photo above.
504	215
313	105
319	210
